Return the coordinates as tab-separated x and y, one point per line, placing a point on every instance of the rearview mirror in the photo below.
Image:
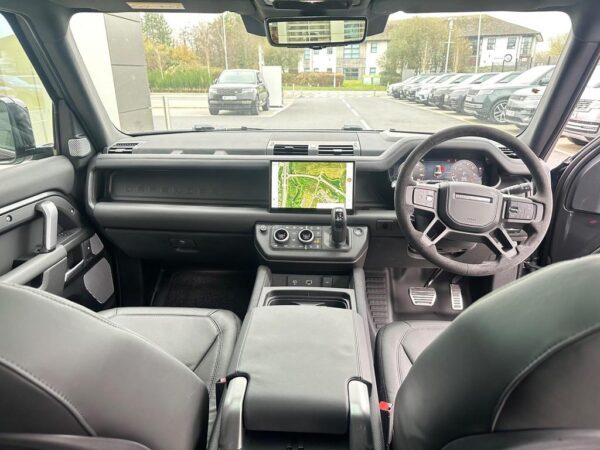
16	132
315	32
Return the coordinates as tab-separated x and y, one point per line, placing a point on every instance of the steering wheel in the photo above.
474	213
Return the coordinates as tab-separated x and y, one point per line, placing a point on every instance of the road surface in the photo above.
311	110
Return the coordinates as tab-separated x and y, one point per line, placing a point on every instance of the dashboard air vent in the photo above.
290	149
122	147
508	152
336	149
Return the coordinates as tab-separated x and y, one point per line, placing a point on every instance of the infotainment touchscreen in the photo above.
312	185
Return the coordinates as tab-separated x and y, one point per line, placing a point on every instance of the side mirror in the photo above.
16	133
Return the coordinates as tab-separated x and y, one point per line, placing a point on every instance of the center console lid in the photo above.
299	362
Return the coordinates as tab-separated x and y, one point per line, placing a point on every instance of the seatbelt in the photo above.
220	386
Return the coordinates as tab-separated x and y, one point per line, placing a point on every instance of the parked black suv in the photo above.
238	90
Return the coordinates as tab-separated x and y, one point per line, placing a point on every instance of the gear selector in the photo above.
339	227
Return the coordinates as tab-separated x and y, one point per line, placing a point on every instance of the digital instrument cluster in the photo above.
450	169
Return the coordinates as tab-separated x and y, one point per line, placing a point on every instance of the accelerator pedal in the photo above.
456	298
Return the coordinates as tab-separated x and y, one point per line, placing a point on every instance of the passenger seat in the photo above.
202	339
67	373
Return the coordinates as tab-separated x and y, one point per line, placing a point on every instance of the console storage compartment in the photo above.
306	371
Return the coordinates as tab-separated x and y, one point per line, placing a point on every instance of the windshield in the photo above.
237	76
533	75
185	71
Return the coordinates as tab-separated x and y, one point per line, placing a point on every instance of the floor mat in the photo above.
229	290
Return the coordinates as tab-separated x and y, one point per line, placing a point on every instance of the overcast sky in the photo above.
547	23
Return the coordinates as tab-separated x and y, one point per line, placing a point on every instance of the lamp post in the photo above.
224	41
478	45
450	25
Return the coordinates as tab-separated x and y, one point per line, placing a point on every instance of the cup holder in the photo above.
326	302
337	300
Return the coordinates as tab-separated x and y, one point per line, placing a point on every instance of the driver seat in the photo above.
519	368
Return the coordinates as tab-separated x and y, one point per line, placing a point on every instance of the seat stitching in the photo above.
159	315
357	345
243	343
58	395
95	316
220	345
549	351
379	352
203	356
401	342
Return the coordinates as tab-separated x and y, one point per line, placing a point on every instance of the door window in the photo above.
26	130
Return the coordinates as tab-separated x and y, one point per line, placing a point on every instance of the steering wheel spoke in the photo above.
501	243
434	232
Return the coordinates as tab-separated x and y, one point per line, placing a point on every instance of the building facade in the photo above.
502	44
355	61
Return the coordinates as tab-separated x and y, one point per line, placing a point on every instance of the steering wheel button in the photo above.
517	210
423	197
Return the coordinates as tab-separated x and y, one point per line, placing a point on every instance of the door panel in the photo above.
576	224
78	266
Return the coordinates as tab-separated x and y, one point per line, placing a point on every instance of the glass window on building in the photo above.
351	73
372	70
491	43
526	45
352	51
511	43
307	53
329	69
330	50
316	52
374	47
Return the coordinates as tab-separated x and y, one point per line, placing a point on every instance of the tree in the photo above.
156	29
556	45
287	58
417	44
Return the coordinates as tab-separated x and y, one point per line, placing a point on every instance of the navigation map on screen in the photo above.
312	184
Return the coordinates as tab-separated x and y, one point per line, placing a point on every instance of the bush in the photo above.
312	79
182	79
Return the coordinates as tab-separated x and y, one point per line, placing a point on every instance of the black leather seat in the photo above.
518	368
202	339
398	346
65	370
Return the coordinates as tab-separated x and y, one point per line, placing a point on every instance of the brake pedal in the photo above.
456	297
422	296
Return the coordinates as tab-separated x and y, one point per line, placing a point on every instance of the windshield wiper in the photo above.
352	128
396	130
203	128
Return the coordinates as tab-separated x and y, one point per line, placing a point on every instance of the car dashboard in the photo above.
199	197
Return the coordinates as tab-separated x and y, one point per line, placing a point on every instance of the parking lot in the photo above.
324	109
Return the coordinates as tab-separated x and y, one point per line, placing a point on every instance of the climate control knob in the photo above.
281	235
306	236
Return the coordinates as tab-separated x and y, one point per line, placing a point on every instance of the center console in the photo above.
302	373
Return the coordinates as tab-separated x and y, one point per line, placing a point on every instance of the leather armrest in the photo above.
299	361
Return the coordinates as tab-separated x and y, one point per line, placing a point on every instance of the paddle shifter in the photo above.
339	227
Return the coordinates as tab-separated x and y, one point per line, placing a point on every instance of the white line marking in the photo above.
281	109
353	111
